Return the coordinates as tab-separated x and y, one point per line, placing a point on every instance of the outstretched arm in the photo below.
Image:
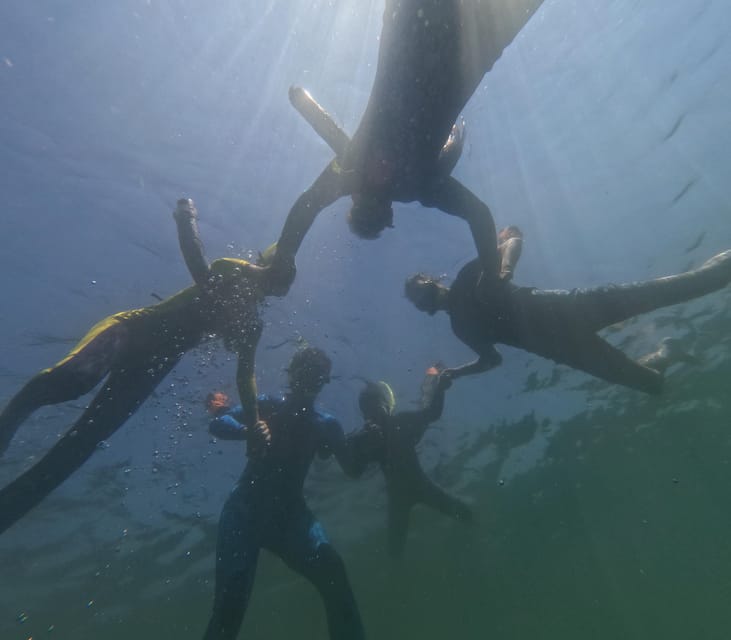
452	197
327	188
228	426
331	184
489	358
191	246
319	119
246	377
186	218
231	425
413	424
352	457
348	451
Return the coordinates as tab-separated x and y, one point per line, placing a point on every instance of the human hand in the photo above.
445	379
259	438
185	210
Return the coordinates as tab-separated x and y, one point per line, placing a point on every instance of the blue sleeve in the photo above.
227	426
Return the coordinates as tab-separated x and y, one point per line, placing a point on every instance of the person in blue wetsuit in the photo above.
267	510
390	439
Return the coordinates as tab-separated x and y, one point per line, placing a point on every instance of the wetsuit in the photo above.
392	444
562	325
432	56
135	350
267	510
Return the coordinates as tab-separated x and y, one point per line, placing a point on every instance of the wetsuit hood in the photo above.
375	398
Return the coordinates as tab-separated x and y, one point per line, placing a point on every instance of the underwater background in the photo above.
603	132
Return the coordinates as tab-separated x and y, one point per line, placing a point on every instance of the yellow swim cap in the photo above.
377	395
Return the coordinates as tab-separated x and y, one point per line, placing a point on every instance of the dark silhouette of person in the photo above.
562	325
390	440
267	509
432	56
132	352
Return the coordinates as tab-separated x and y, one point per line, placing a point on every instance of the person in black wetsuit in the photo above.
267	509
562	325
135	350
390	440
432	56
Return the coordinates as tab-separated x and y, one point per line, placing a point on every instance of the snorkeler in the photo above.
135	350
267	510
390	440
562	325
432	56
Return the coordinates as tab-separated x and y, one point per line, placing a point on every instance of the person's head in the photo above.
509	232
369	215
376	400
426	293
309	371
217	401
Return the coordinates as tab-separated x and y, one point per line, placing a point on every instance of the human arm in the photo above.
330	185
489	358
452	197
186	219
319	119
244	346
229	425
364	446
191	246
327	188
351	451
413	424
246	384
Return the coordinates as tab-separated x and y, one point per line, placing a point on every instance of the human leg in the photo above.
117	400
79	372
435	497
603	306
594	355
306	550
237	554
397	523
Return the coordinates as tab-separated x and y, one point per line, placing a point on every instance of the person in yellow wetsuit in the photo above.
132	351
